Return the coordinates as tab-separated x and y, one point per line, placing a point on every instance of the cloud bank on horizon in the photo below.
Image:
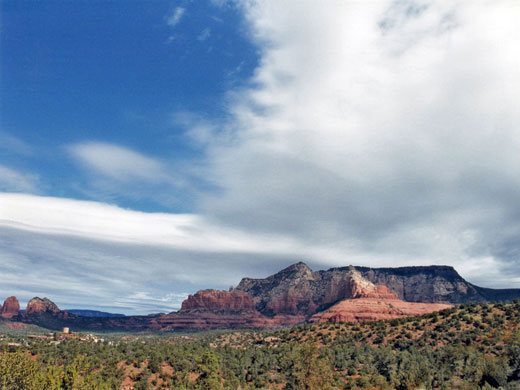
377	133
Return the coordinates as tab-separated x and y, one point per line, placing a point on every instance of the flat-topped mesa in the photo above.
218	301
10	308
38	305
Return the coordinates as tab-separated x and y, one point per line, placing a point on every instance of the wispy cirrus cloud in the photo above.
175	16
118	162
12	180
113	172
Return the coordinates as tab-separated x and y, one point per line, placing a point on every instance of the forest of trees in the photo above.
474	346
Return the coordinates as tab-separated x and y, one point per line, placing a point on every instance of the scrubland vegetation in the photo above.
473	346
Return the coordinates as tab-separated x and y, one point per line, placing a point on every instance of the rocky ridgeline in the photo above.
359	300
293	295
299	290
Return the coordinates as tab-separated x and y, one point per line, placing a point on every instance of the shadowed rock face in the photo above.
10	308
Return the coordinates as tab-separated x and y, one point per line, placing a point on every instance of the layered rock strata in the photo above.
374	309
213	309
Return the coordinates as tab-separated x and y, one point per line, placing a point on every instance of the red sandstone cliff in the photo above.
10	308
218	301
212	309
374	309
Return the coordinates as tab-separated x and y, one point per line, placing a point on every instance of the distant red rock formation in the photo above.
218	301
39	305
10	308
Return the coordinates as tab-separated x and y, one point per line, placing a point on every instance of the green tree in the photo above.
19	371
209	368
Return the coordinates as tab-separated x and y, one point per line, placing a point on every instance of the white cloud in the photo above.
15	181
113	172
388	128
118	162
175	17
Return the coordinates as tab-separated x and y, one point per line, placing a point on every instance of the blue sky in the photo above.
150	149
118	73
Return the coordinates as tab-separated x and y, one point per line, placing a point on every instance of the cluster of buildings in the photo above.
58	337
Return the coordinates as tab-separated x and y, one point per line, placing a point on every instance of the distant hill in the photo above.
93	313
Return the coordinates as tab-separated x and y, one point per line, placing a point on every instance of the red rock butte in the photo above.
10	308
214	300
39	305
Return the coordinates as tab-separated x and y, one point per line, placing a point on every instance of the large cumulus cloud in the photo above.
388	129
